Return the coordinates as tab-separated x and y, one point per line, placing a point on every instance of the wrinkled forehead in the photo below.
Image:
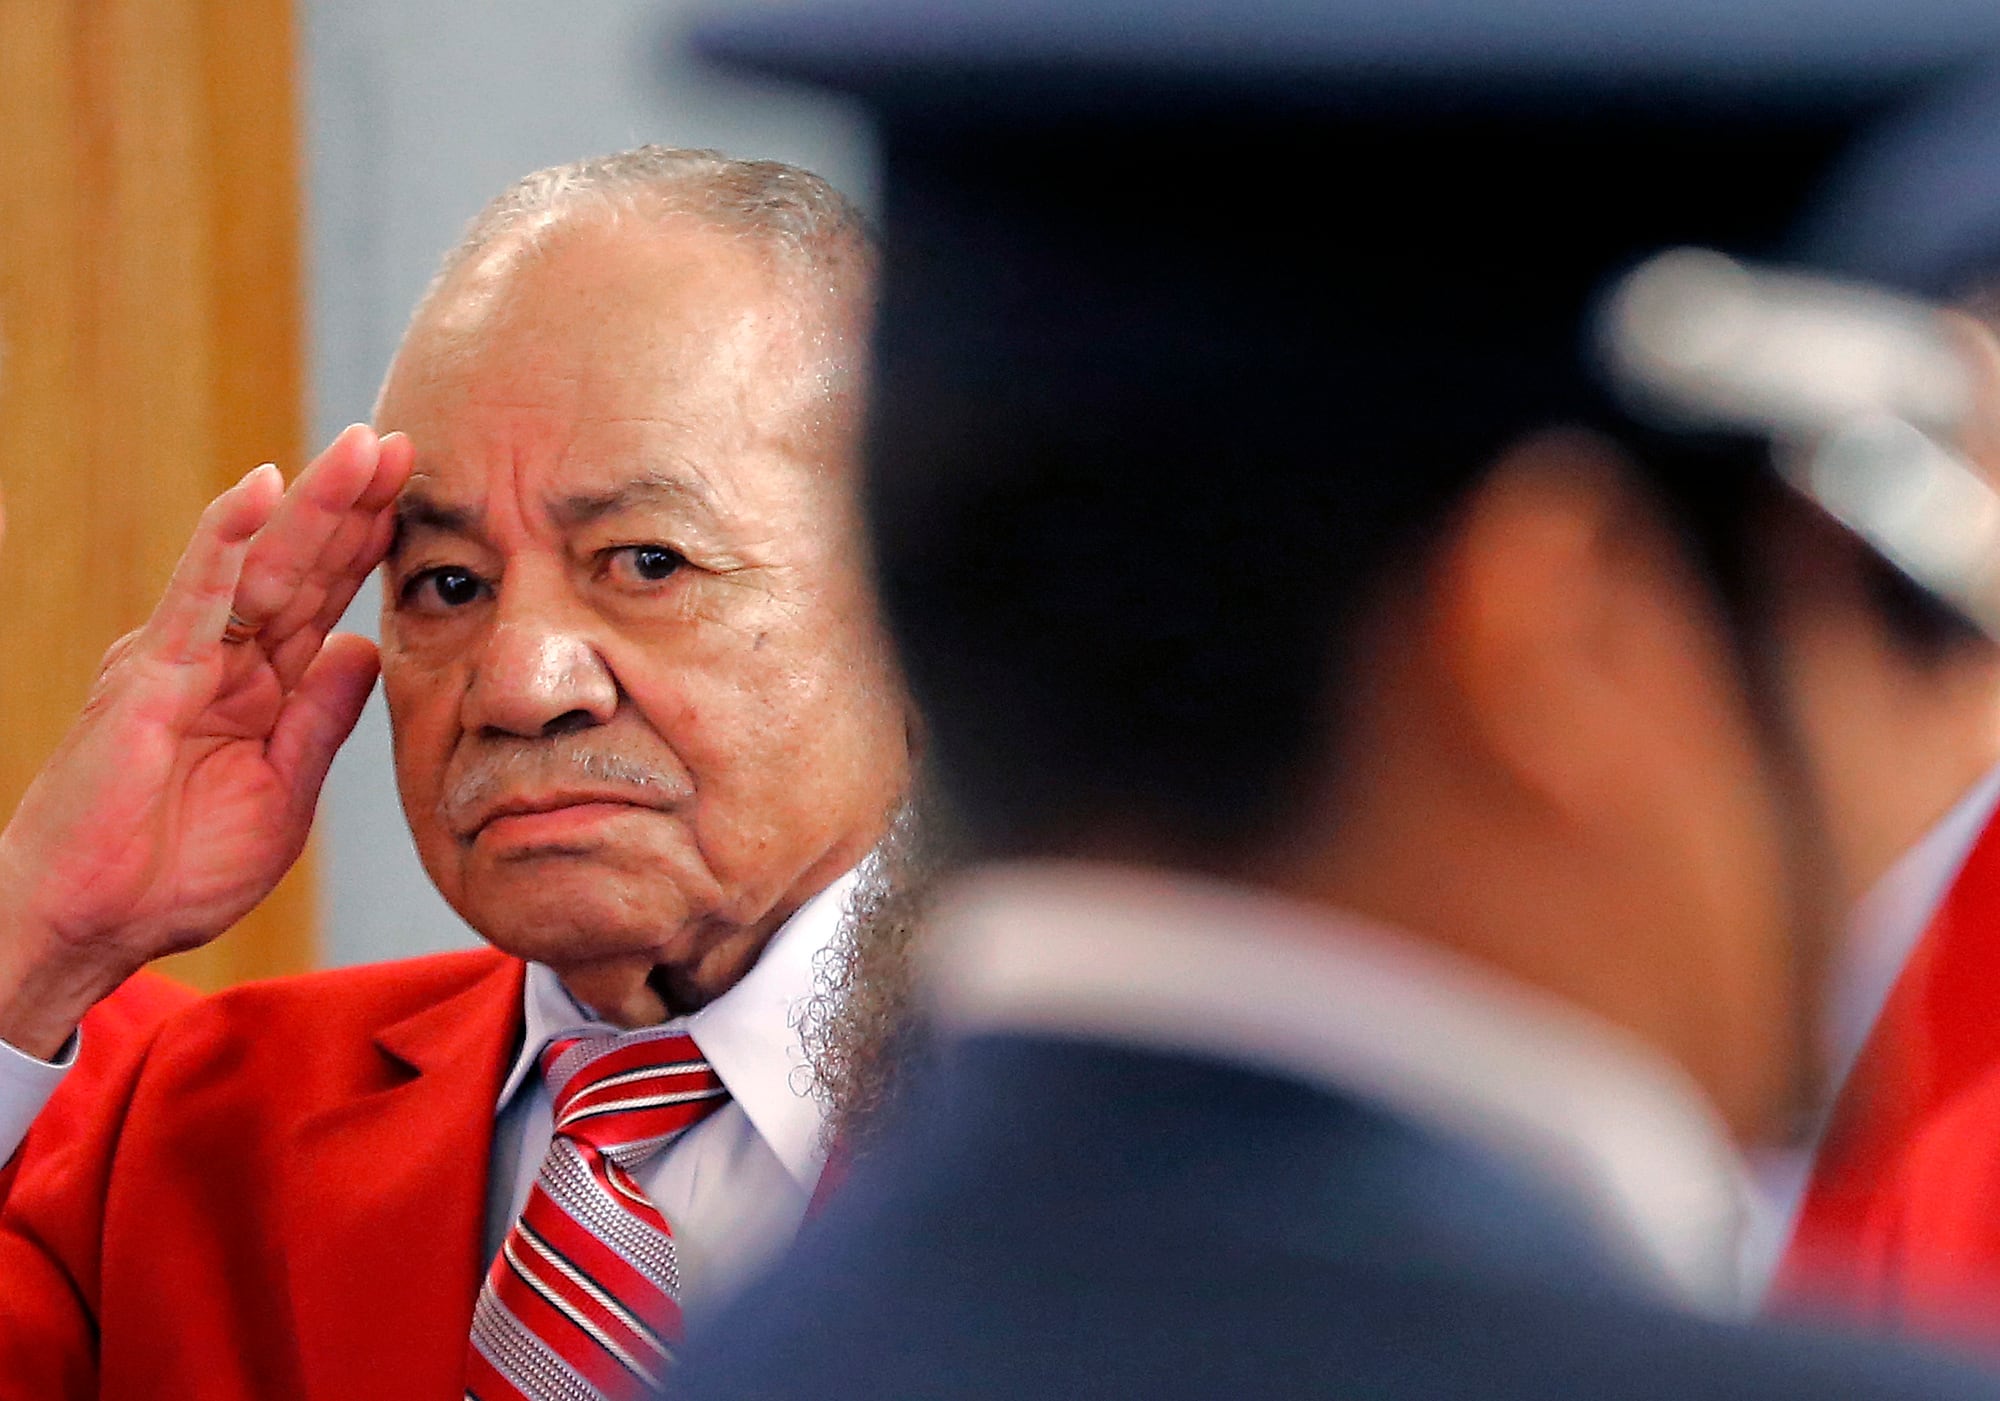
606	362
618	318
463	495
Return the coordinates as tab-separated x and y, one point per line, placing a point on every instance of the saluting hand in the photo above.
187	786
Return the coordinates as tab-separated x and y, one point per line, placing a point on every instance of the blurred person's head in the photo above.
641	704
1898	703
1312	557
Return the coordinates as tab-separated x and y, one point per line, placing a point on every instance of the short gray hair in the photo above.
812	227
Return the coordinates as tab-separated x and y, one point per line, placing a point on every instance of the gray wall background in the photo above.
416	112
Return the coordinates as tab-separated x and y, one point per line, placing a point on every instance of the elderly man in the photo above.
644	728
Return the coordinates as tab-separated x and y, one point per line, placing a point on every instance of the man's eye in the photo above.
443	589
643	564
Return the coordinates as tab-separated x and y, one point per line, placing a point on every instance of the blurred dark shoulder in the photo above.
1058	1218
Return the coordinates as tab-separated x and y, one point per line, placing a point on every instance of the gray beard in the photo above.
862	1029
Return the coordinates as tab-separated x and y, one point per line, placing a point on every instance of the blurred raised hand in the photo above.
1980	437
187	786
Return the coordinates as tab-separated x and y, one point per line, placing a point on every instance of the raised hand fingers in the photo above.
187	625
319	714
302	643
1980	436
330	532
357	545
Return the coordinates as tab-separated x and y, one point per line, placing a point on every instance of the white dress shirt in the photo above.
734	1187
26	1082
1882	933
1183	963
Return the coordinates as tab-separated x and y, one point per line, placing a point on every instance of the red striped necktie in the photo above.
582	1302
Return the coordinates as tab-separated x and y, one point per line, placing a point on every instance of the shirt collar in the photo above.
1883	931
1890	919
749	1034
1329	997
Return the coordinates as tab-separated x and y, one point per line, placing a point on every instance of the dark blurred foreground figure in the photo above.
1399	868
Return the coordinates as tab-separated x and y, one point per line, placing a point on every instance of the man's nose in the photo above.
540	674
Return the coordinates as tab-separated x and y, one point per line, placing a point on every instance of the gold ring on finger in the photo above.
236	632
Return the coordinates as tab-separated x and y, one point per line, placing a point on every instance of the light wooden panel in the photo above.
149	343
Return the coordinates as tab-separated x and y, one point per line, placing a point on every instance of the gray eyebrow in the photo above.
676	493
416	511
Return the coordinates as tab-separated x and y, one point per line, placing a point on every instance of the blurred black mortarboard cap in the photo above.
1916	204
1194	313
1355	54
1416	198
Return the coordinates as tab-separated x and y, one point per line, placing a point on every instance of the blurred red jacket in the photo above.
278	1191
1899	1222
117	1029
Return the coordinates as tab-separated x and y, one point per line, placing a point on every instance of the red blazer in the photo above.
115	1029
281	1193
1933	1247
1887	1227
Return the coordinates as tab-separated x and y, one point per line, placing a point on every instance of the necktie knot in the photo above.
631	1094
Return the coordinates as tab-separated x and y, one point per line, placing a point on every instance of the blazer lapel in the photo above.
387	1210
1934	1039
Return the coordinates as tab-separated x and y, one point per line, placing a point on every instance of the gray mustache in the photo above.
553	764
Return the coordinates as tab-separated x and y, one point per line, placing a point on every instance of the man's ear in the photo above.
1562	615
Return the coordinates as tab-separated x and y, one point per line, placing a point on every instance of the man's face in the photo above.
641	706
